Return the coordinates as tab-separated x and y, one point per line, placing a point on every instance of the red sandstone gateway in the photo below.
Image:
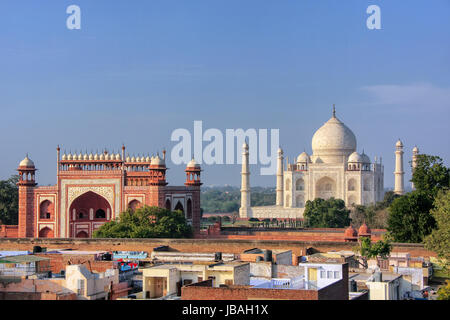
93	189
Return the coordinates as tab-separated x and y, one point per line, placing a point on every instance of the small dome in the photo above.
118	156
280	151
193	164
128	159
355	157
303	157
26	163
399	144
350	232
415	149
157	161
64	157
365	158
91	156
69	157
133	159
142	159
148	159
96	156
364	230
85	157
102	156
80	156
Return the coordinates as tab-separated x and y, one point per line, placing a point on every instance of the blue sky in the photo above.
138	70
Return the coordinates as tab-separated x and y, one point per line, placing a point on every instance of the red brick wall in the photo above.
9	231
195	245
59	262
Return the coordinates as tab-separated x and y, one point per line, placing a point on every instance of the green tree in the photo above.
430	175
330	213
409	217
369	250
439	239
444	292
9	201
146	222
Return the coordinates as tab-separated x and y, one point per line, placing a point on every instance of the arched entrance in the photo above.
87	213
133	205
82	234
46	233
168	205
46	210
179	207
325	188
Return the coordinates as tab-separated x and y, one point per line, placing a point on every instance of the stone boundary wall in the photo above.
196	245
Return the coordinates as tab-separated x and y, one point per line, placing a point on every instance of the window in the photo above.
329	274
81	287
100	214
323	274
336	274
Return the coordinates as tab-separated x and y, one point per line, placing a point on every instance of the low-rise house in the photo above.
88	285
24	265
163	280
312	285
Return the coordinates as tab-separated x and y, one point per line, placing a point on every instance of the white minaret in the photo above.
414	163
399	173
280	178
245	210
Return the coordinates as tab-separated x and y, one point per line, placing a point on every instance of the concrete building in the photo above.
306	283
88	285
164	280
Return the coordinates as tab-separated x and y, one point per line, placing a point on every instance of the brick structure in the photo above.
298	248
94	189
205	291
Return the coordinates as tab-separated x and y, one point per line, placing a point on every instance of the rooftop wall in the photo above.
195	245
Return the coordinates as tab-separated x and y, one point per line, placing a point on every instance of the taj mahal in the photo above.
334	169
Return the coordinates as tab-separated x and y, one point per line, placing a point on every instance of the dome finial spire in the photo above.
334	110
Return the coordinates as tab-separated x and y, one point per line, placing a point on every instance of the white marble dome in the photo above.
193	164
303	157
157	161
333	141
27	163
365	158
355	157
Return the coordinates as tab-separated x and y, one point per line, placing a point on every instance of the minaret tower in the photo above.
245	210
279	201
26	184
399	173
414	162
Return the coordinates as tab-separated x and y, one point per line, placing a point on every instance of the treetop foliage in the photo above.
146	222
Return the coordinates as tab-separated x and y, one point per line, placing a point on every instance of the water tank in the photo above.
268	255
37	249
377	276
353	286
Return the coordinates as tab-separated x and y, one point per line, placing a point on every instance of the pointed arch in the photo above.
179	207
46	233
